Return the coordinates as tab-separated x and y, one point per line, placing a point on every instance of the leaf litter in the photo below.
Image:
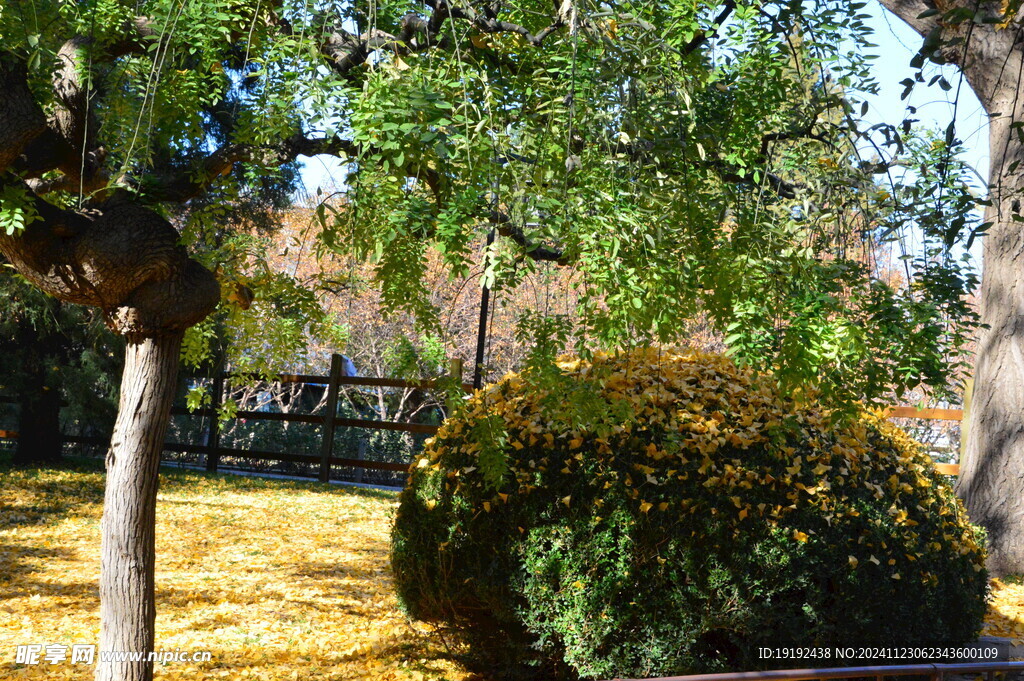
277	580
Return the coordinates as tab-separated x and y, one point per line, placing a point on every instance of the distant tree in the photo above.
53	357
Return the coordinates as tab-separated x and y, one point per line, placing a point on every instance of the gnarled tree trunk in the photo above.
128	560
125	259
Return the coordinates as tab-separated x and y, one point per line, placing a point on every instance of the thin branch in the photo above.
417	33
704	36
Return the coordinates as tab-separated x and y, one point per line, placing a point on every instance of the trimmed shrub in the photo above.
664	512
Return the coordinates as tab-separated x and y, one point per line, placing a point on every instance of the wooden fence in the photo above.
330	420
933	415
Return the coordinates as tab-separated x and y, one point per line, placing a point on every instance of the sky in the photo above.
897	44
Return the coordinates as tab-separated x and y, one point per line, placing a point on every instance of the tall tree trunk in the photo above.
127	603
992	472
988	51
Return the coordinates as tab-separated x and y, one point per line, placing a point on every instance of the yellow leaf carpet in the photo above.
277	580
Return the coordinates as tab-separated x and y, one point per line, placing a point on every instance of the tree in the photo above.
651	148
982	40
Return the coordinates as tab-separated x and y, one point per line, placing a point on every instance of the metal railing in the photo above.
936	672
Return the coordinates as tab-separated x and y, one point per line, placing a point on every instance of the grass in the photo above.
278	580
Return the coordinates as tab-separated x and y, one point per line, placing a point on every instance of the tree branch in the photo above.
704	36
416	33
507	228
910	12
21	119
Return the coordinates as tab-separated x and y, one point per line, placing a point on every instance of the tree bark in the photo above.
128	556
991	481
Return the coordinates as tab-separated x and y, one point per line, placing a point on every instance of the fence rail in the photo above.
932	415
330	421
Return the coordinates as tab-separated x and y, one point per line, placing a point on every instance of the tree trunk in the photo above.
127	603
992	471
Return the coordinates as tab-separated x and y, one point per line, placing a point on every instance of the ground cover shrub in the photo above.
665	512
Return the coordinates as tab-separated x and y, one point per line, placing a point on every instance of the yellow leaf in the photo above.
487	506
853	561
799	536
431	503
566	500
645	506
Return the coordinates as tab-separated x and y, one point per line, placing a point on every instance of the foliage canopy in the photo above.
679	156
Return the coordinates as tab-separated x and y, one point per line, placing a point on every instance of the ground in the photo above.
1006	610
277	580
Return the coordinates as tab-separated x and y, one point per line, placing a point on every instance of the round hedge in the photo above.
666	512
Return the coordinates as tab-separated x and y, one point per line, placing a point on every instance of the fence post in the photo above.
327	445
361	455
455	369
213	438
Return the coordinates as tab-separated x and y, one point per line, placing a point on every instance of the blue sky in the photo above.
897	44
